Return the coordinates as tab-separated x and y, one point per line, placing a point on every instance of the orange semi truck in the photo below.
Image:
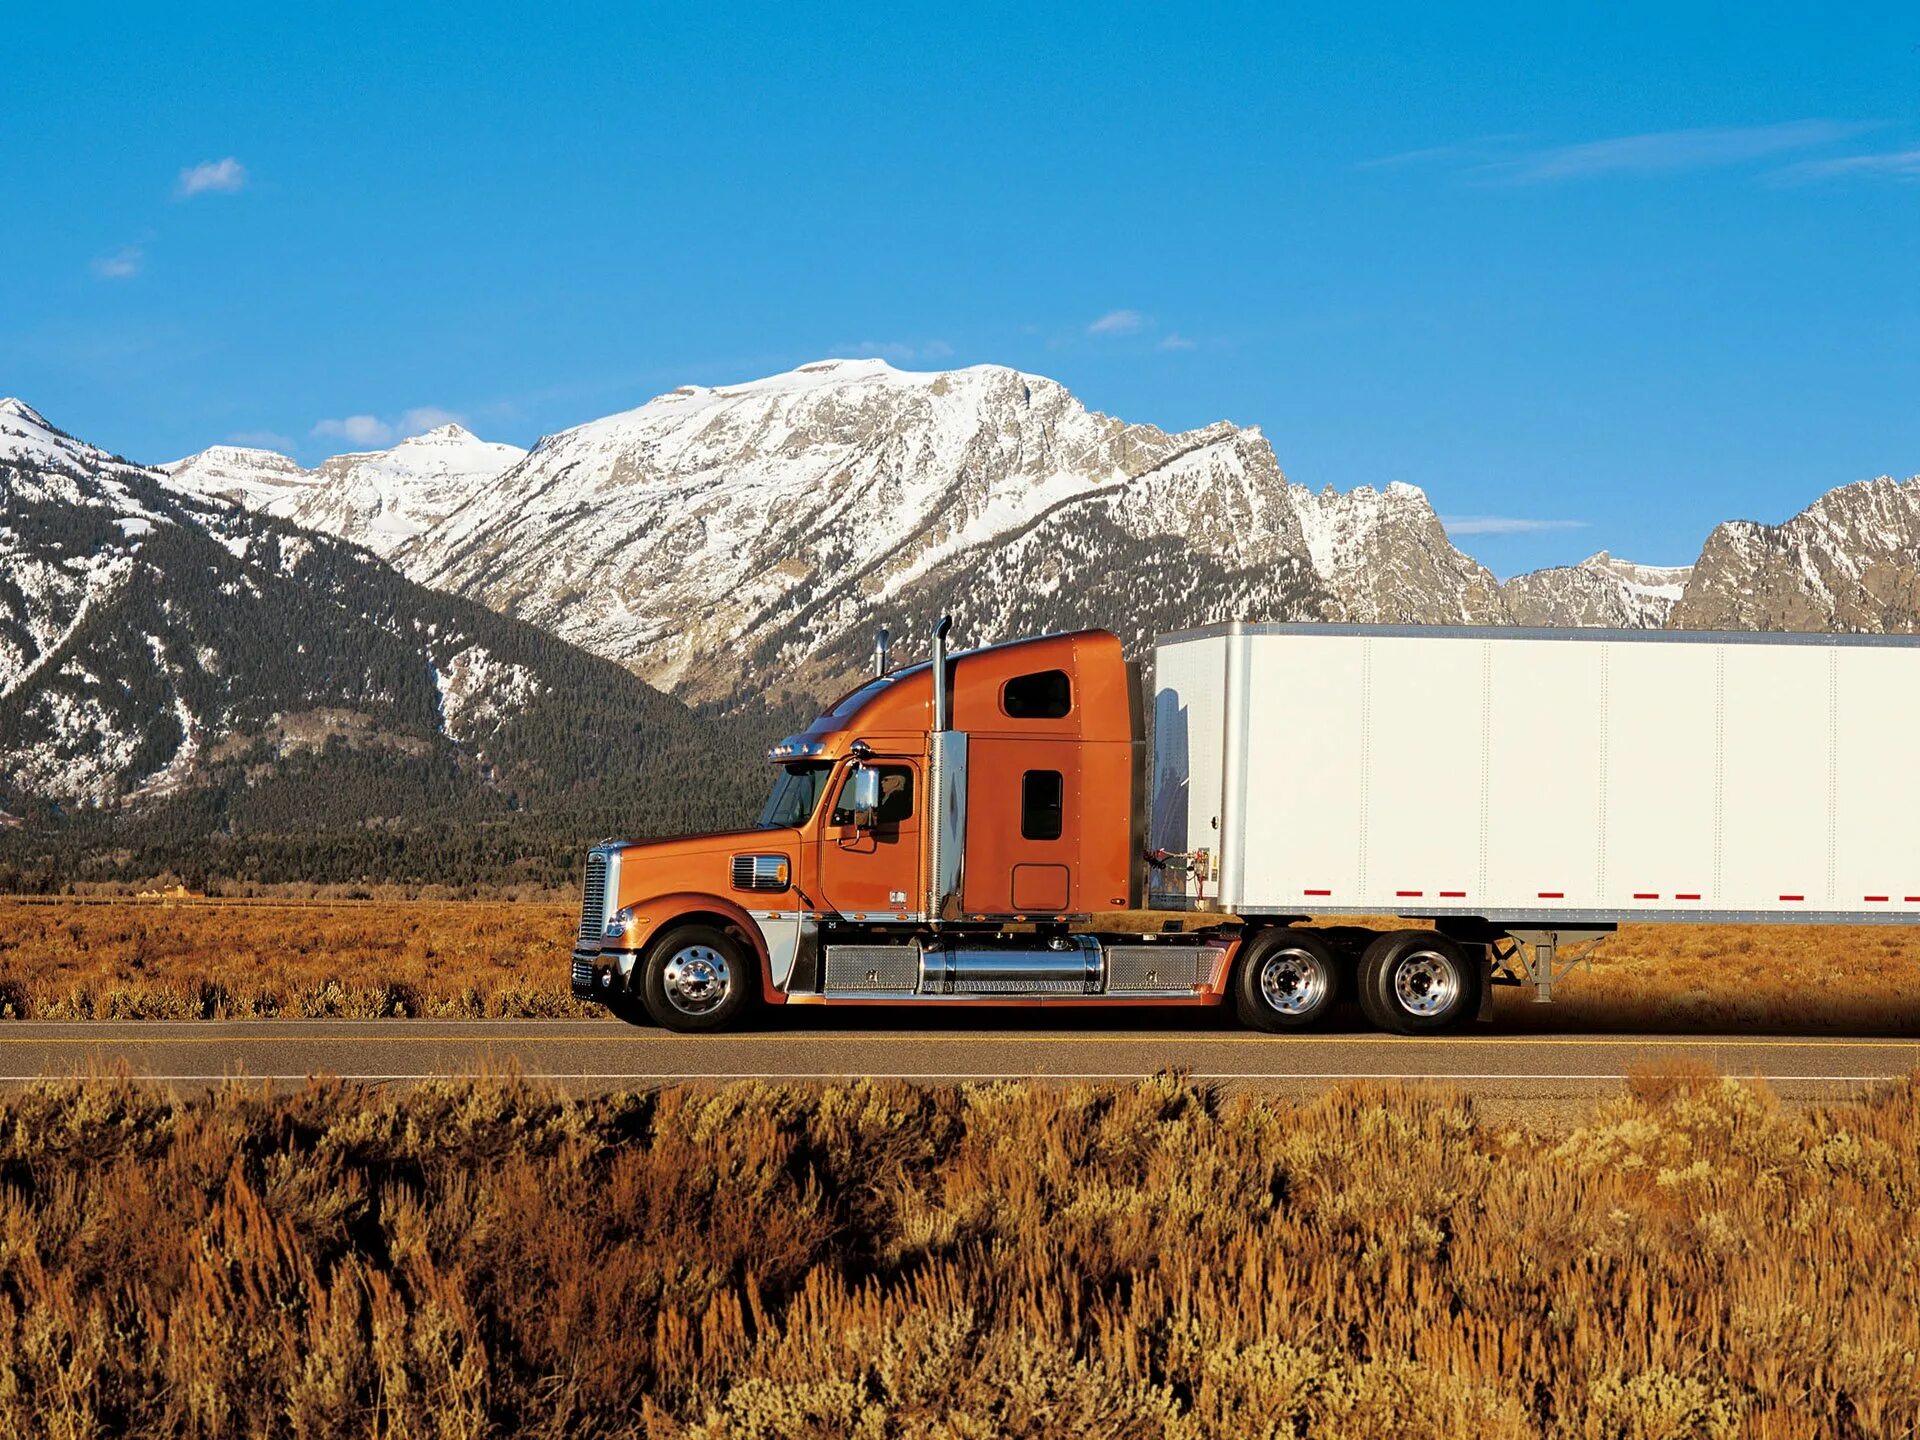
990	828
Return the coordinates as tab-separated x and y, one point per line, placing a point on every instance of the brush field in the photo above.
178	959
771	1263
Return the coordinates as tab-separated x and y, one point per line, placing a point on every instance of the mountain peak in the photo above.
452	430
14	408
27	435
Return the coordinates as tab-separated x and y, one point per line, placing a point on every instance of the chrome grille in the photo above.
593	899
871	968
1158	968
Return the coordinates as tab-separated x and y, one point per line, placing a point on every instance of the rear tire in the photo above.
1285	980
1417	982
697	979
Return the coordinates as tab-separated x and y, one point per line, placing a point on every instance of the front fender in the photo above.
661	913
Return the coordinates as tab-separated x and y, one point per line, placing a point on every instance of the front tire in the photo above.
1285	980
1417	982
698	979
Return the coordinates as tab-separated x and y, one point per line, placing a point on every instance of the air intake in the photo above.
760	872
593	897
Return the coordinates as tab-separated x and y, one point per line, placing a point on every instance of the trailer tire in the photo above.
1416	982
1285	980
697	979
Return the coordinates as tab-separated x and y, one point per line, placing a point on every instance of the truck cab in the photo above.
946	832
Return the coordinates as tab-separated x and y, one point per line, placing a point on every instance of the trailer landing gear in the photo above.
1538	955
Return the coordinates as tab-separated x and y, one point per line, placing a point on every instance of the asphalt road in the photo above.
1526	1073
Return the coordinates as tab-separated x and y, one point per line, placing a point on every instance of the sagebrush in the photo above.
478	1259
63	959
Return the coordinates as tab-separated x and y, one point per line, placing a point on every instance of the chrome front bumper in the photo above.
600	975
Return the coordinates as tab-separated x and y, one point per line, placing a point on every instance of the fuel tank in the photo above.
1066	966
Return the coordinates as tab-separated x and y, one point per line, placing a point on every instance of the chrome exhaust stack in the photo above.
947	786
880	653
942	711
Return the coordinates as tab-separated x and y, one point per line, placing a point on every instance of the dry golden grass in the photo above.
773	1263
1861	978
80	959
162	959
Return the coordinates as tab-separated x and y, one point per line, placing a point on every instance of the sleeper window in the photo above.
1042	805
1043	695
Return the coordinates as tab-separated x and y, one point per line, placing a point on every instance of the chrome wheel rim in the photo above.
1425	982
1294	982
697	980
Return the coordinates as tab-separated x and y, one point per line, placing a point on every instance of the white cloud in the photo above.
423	418
210	177
1889	165
1504	525
121	264
898	351
1174	340
260	440
355	430
1118	322
1494	160
367	431
1669	151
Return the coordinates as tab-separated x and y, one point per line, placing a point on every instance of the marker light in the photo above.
795	747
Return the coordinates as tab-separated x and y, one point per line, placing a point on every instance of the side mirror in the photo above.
863	797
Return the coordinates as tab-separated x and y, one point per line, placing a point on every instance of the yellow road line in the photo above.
1662	1042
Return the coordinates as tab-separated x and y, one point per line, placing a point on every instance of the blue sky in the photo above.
1593	279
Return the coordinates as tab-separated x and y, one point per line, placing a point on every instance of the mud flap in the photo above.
1484	1015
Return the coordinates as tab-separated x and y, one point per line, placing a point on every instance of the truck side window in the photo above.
1042	805
896	797
1043	695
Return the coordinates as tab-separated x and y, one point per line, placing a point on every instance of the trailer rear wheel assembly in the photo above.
1417	982
696	978
1286	980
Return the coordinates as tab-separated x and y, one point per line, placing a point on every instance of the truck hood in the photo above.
732	842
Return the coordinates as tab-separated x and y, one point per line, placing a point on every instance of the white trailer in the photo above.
1536	785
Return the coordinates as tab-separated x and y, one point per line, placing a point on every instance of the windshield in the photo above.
795	794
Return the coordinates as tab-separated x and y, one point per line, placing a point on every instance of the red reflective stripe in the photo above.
1881	899
1793	897
1405	894
1645	895
1911	900
1686	897
1316	892
1453	894
1553	894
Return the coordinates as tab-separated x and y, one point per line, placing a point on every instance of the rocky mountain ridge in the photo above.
740	542
382	499
158	650
738	539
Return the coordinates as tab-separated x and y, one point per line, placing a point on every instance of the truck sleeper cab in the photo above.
950	832
987	827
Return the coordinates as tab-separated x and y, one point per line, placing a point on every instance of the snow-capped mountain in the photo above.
382	499
1600	590
746	538
154	644
1849	561
1385	554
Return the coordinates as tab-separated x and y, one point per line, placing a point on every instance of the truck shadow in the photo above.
1515	1014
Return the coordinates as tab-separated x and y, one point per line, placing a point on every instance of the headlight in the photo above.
621	922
